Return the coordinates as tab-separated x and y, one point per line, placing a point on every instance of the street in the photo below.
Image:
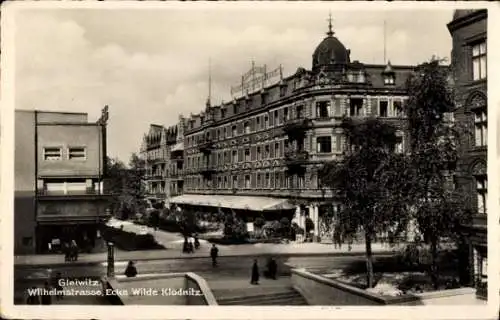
228	269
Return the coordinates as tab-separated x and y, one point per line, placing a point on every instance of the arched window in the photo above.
478	106
481	179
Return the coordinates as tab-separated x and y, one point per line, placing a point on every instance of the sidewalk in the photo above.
293	249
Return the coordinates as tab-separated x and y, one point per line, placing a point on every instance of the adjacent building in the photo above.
59	168
259	154
163	151
469	57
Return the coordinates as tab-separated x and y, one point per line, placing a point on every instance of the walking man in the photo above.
214	252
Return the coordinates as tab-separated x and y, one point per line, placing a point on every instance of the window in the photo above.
479	61
276	119
247	182
277	150
247	154
219	159
285	114
399	147
259	154
52	153
481	128
219	182
235	156
389	79
266	121
266	152
258	123
355	107
226	185
482	193
235	181
235	109
324	144
77	153
268	181
246	127
322	109
383	108
264	99
225	133
234	131
282	91
222	113
259	181
398	108
300	112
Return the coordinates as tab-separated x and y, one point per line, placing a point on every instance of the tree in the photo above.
439	208
367	181
114	182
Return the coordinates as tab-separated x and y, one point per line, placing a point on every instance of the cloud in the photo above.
150	66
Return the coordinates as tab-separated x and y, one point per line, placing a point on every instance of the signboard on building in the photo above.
256	78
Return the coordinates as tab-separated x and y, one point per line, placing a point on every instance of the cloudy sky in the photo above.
151	65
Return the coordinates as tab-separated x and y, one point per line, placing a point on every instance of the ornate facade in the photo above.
468	31
265	149
163	149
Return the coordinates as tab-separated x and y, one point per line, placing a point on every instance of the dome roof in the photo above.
330	51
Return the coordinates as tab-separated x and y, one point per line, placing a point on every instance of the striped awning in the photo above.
234	202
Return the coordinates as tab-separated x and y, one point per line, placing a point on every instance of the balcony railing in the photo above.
296	156
206	146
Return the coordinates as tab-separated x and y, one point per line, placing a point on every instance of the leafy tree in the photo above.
114	182
368	181
439	209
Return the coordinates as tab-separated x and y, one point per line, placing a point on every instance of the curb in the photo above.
313	254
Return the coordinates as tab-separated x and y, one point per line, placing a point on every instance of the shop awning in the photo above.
234	202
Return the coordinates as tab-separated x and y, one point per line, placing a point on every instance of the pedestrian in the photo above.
74	250
196	242
57	284
214	252
66	251
33	297
185	246
273	268
131	270
46	298
255	273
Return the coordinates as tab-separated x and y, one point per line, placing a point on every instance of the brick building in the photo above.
469	34
162	149
59	166
259	154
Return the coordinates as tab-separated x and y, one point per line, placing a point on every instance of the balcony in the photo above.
297	126
296	157
89	194
206	146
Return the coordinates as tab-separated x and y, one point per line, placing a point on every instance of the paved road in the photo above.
229	268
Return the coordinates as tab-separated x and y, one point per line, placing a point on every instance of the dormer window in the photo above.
389	79
202	120
222	113
235	108
283	90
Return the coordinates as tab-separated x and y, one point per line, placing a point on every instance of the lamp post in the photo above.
111	260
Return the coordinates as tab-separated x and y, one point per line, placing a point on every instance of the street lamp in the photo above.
111	260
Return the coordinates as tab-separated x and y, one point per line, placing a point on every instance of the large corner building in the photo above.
259	154
59	168
468	31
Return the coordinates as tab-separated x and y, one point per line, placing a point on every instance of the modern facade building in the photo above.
469	53
260	153
162	150
59	168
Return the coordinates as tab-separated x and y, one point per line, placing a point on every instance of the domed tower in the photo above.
330	54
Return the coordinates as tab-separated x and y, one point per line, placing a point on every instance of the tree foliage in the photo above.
368	182
439	208
126	186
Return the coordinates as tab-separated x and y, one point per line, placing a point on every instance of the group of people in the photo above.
35	298
190	244
70	251
270	273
